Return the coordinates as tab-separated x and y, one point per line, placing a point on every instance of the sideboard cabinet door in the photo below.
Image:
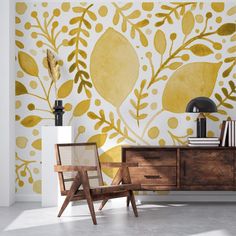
206	169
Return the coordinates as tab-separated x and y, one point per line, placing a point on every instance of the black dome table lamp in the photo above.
201	105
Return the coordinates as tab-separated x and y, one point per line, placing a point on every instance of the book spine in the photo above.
222	132
233	144
234	133
225	134
229	134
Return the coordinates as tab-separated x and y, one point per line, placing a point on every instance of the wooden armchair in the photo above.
80	177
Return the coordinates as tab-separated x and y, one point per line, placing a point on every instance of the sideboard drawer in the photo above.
152	158
153	175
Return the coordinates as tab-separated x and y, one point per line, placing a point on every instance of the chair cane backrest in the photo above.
78	154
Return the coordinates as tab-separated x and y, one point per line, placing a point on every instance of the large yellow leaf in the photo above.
112	155
187	23
99	139
160	42
31	121
114	67
28	64
81	108
190	81
20	89
65	89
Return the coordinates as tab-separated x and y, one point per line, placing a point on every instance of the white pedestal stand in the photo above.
50	185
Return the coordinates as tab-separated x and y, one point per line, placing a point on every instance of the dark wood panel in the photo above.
205	168
208	188
150	187
171	147
152	157
153	175
196	168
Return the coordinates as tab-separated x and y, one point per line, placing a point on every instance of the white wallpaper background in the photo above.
127	73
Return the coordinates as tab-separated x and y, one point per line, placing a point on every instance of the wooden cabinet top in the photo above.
175	147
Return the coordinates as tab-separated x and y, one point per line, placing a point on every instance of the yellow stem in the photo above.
45	93
128	128
150	121
182	47
43	110
37	96
76	137
126	18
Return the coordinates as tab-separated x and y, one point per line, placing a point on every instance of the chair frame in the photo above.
121	185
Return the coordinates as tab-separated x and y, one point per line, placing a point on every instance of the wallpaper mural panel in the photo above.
127	72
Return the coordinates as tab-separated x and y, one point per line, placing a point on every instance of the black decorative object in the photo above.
58	112
201	105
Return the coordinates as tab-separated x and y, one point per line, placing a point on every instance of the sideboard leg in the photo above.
128	201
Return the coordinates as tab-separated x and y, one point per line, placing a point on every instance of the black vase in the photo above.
58	112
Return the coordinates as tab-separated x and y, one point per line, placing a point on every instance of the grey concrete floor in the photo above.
198	219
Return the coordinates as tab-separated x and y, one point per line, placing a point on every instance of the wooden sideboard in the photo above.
182	168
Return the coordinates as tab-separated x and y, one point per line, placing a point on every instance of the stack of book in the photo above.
228	133
203	142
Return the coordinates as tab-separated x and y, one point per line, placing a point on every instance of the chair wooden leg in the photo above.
86	187
127	201
74	187
132	199
63	207
91	208
116	181
102	204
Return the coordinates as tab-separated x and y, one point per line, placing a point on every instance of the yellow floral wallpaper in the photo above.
128	69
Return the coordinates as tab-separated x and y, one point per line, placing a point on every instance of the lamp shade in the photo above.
201	104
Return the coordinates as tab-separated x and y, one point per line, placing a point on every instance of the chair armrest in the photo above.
67	168
118	164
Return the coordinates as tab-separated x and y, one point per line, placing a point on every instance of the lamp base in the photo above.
201	126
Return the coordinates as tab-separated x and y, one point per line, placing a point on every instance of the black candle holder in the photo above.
58	112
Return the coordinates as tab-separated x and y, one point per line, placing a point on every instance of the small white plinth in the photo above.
50	185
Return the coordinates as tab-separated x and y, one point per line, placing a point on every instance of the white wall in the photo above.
7	90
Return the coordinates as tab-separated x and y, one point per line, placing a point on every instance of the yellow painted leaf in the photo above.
30	121
65	89
99	139
187	23
190	81
218	6
111	155
143	39
135	14
20	89
114	67
37	144
231	11
200	50
81	108
160	42
232	49
37	186
175	65
233	38
226	29
28	64
21	142
147	6
19	44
